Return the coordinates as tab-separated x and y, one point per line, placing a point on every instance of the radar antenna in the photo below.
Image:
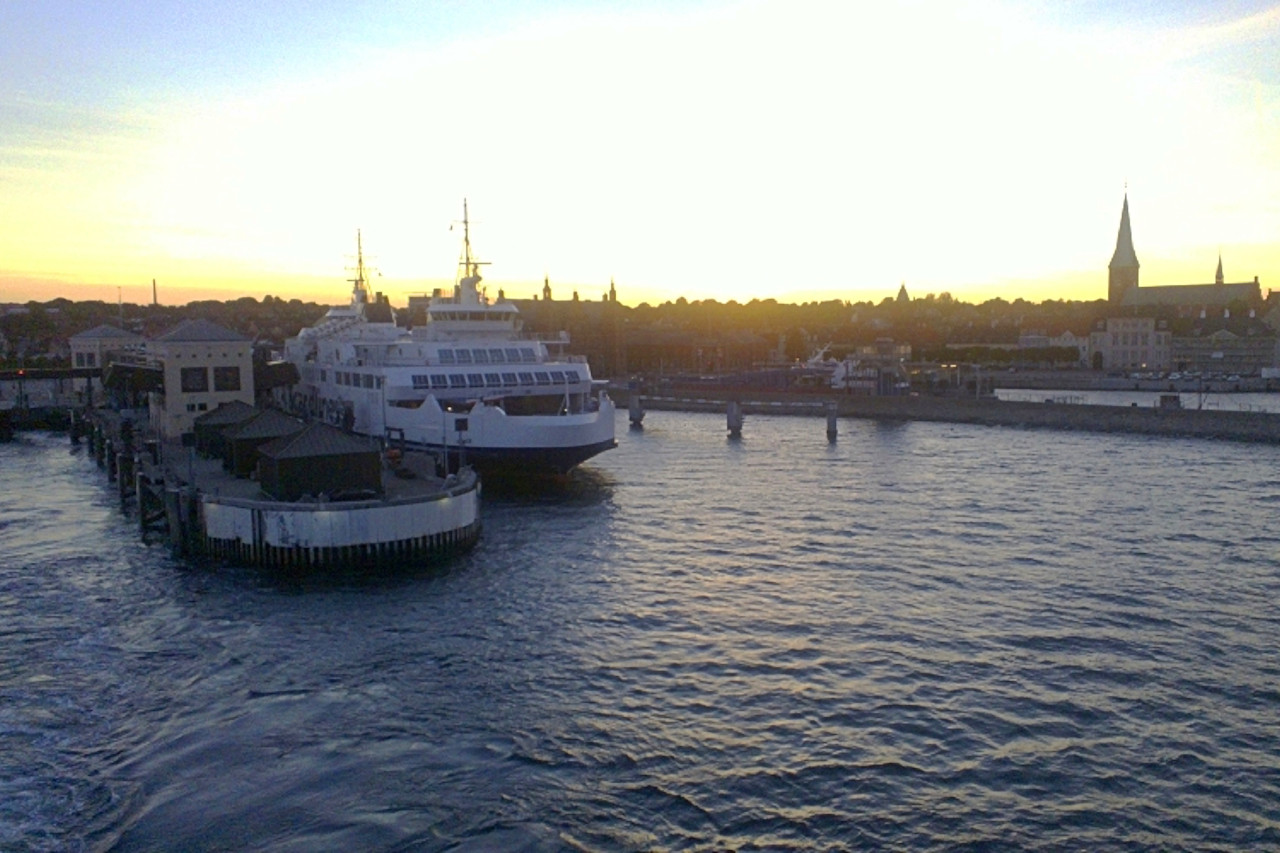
359	290
470	266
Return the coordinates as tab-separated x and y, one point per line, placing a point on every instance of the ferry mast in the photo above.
360	289
470	266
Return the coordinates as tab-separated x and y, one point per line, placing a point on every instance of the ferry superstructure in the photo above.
467	385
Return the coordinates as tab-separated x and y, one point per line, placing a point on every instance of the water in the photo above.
921	637
1215	401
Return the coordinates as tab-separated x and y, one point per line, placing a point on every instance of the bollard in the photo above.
733	418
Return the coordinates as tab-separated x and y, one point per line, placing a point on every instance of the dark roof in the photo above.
235	412
199	331
106	330
1192	294
269	423
317	439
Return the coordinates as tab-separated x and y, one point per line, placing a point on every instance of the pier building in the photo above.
94	348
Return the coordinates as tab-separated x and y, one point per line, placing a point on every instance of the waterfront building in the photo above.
1123	287
1037	339
93	348
1131	343
1226	345
202	365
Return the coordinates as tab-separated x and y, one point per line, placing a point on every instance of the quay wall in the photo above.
1237	426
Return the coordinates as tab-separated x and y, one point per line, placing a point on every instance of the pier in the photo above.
1261	427
203	509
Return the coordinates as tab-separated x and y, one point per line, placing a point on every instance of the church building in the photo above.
1123	289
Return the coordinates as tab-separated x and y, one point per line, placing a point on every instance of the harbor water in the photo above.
1214	401
919	636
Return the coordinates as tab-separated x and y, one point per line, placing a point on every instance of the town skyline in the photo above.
724	150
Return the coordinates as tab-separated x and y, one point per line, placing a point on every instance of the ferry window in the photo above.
226	378
480	355
557	376
509	378
446	356
526	378
439	380
368	380
496	356
513	355
543	377
475	380
421	381
195	379
493	380
527	354
476	315
463	356
457	380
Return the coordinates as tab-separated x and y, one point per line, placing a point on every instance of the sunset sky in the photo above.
725	149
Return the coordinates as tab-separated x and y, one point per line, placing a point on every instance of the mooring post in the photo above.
733	418
124	475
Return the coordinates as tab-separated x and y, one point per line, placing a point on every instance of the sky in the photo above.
708	149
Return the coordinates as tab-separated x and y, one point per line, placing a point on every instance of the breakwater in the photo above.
988	411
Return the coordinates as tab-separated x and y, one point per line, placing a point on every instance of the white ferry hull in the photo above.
496	443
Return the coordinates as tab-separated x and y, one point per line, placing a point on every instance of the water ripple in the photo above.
925	637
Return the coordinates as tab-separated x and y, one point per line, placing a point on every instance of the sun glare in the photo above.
753	150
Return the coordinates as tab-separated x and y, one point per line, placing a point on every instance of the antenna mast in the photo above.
470	266
359	293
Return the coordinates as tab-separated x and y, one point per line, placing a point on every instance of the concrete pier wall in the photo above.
1235	426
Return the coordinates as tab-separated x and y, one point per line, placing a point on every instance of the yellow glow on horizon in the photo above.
751	150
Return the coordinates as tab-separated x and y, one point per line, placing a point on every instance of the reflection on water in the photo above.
920	636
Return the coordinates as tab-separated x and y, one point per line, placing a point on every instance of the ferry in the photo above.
468	385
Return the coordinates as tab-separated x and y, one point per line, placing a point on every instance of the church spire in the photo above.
1124	255
1217	278
1123	269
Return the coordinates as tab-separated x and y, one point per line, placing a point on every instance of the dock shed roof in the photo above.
235	412
317	439
269	423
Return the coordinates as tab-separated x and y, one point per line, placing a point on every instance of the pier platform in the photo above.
988	411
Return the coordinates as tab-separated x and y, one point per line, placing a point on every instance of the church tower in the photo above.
1123	269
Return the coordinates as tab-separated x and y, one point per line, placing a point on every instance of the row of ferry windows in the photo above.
353	380
492	355
492	380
